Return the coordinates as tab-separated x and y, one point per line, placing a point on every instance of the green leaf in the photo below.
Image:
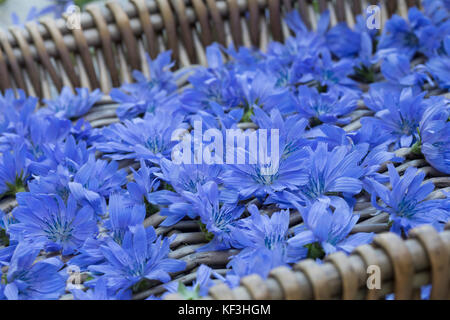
315	251
5	278
208	235
4	238
365	74
15	187
417	147
150	208
82	3
167	186
247	115
188	294
316	6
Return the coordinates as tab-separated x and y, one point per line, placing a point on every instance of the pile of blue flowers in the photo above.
81	223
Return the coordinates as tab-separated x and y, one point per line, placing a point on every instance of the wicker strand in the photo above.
161	23
44	58
30	64
63	51
405	263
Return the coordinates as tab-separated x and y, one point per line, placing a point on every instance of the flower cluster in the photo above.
76	205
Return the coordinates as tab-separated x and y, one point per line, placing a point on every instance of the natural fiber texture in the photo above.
112	42
405	266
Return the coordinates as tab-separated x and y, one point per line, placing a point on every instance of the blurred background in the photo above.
20	11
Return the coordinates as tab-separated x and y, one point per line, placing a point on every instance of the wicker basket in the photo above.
112	41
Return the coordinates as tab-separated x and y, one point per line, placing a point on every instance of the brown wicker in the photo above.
112	41
405	266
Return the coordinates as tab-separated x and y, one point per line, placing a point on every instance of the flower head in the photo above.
51	224
268	234
141	139
326	230
142	255
406	203
96	180
30	280
122	215
325	107
221	220
258	174
67	105
400	119
332	172
148	95
406	36
13	171
199	287
99	292
144	183
399	74
439	66
435	134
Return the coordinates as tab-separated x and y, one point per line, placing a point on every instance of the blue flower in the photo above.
141	139
6	253
90	253
245	264
187	177
59	7
147	95
96	180
216	118
216	83
68	105
260	89
32	15
222	220
291	129
15	117
398	73
439	66
160	74
259	174
405	36
51	224
332	172
145	182
266	234
48	129
343	41
13	171
326	107
142	255
30	280
435	134
100	292
372	162
406	203
199	287
303	35
183	178
68	155
400	119
327	224
437	10
328	73
377	99
367	58
122	215
136	101
330	134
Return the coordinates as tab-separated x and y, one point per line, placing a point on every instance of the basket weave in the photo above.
113	40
